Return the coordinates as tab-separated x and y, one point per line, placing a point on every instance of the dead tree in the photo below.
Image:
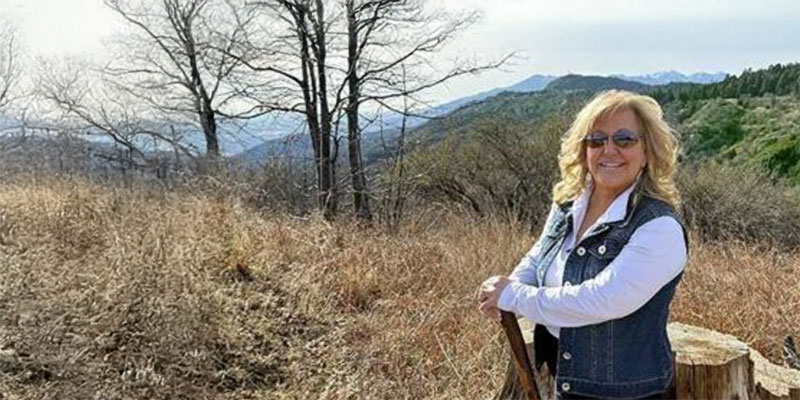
389	43
328	59
289	43
176	62
90	105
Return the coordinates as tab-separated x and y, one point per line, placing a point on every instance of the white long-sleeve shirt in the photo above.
653	256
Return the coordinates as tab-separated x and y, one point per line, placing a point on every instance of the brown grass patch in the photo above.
138	293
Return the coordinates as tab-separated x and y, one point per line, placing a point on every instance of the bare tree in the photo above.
177	63
398	185
389	45
292	42
340	55
87	103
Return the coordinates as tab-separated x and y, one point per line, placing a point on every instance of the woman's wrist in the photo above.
508	297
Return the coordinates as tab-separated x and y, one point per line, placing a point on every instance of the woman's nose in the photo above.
609	146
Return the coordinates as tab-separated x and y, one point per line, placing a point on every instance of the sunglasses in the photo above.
622	138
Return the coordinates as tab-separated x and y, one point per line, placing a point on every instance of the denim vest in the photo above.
628	357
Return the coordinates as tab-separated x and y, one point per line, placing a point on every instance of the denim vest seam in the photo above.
593	368
626	383
610	361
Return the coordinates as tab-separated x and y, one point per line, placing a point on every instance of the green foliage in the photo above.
781	156
760	132
715	129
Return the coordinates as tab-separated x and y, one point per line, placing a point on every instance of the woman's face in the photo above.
613	168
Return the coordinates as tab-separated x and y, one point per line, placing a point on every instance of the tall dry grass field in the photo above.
137	293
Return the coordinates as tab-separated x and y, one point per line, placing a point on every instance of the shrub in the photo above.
722	203
497	168
284	184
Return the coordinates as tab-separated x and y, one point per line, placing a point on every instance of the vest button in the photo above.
581	251
567	355
601	249
565	386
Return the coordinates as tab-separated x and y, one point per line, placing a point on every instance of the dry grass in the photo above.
115	293
752	295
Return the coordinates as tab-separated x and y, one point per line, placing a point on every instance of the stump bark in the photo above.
709	365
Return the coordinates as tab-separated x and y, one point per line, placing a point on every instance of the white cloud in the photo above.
556	36
61	26
630	37
570	12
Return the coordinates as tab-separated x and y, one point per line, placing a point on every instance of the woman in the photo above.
599	281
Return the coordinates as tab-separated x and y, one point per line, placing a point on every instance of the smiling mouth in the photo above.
610	164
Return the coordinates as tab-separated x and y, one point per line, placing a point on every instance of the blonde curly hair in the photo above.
661	146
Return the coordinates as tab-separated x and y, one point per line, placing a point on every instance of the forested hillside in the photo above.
500	155
761	132
778	79
749	120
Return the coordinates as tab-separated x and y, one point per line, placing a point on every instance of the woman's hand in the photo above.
489	295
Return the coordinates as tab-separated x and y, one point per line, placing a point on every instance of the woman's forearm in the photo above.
654	255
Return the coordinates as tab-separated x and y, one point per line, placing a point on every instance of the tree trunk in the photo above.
320	137
209	124
710	364
325	125
357	175
202	100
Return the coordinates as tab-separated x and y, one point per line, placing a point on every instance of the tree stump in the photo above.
709	365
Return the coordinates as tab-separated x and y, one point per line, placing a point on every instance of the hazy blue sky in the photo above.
552	36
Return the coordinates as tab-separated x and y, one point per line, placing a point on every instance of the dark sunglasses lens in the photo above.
595	140
625	139
622	139
595	143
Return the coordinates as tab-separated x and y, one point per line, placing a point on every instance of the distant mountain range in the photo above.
665	77
748	119
594	83
537	82
299	145
259	138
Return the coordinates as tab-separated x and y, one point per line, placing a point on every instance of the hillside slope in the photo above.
763	132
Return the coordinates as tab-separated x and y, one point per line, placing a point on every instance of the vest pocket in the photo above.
606	250
600	254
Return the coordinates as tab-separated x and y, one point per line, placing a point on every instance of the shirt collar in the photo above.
617	211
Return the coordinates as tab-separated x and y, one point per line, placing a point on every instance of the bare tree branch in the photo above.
10	66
